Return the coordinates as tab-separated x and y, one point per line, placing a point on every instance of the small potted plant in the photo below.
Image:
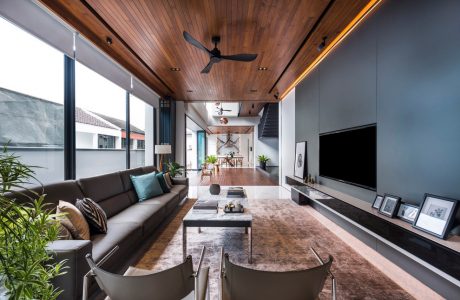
212	160
263	161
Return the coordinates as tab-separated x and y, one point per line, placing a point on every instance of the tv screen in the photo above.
350	156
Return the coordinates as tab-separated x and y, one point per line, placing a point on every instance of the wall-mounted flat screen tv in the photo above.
350	156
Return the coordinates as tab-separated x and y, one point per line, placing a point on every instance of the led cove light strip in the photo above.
342	35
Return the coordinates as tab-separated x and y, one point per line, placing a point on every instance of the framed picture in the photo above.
407	212
389	205
436	215
300	161
377	201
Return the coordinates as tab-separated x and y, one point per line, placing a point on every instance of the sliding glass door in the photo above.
201	147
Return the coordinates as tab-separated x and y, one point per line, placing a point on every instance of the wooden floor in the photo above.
235	177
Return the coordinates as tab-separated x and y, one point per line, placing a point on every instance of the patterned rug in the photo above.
282	235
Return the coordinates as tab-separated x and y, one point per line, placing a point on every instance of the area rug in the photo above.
282	235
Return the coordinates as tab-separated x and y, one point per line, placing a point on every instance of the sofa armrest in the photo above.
73	252
180	180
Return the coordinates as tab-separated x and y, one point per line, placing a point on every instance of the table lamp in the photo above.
162	150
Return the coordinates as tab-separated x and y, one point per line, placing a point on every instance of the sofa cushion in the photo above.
94	215
107	191
125	235
125	177
169	201
101	187
181	190
146	186
149	169
162	182
75	216
147	216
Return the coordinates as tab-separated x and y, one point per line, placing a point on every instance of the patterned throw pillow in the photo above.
162	182
168	180
64	233
94	214
76	218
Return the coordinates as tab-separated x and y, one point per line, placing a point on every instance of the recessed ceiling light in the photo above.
109	40
262	68
253	91
175	69
189	91
252	106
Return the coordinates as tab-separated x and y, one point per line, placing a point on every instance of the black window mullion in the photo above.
128	133
69	119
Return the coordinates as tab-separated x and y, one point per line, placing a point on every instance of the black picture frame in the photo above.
377	202
390	210
426	210
400	214
301	146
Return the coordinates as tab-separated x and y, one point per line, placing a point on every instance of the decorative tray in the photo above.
233	210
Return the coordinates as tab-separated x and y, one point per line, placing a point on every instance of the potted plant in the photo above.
212	159
175	169
263	161
26	229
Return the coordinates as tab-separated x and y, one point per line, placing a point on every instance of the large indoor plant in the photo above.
175	169
263	161
26	269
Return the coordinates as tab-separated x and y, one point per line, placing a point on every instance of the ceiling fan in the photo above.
220	110
214	54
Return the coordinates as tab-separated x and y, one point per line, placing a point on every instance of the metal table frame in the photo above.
217	223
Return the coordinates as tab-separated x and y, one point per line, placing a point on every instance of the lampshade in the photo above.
162	149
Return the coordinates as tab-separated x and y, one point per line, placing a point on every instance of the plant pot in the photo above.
214	189
263	165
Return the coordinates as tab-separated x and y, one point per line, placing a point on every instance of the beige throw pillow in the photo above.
168	180
76	218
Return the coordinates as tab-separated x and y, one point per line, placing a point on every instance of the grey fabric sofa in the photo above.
130	222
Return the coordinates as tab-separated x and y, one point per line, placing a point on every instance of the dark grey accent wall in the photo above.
401	70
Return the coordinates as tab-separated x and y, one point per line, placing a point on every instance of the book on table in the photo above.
235	192
206	205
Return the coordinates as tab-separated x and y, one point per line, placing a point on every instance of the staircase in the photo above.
268	126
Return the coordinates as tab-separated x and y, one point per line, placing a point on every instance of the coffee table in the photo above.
200	219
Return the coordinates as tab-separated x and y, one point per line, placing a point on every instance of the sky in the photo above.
30	66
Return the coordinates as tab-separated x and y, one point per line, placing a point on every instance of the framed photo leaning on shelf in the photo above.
300	160
407	212
389	205
436	215
377	202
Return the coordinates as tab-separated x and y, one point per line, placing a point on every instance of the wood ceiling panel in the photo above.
251	109
147	41
154	30
230	129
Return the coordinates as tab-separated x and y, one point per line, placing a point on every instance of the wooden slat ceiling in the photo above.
147	41
230	129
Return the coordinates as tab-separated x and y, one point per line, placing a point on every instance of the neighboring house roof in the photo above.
85	117
30	121
120	123
33	122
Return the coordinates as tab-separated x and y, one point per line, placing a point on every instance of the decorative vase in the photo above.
263	165
214	189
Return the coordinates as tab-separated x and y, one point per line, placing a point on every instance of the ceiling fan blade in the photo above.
240	57
189	38
207	68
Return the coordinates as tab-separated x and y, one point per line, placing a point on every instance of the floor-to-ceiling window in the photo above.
195	143
31	101
100	119
141	131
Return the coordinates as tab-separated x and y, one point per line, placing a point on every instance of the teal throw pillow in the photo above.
162	182
146	186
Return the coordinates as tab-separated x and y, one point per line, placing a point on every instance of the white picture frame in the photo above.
300	160
436	215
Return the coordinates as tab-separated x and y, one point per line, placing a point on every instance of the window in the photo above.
31	101
106	141
141	132
100	123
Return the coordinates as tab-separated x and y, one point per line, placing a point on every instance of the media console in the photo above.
433	261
